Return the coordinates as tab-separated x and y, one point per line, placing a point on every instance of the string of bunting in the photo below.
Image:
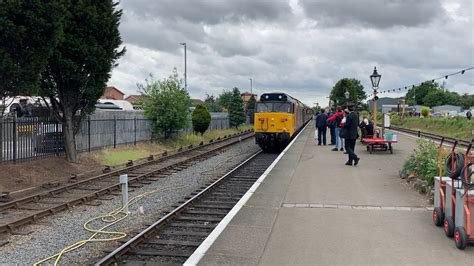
431	80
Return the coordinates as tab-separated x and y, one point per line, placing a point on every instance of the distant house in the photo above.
387	108
195	102
447	108
246	98
135	99
384	101
112	93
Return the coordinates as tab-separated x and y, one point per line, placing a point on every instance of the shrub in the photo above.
201	119
423	163
425	111
167	103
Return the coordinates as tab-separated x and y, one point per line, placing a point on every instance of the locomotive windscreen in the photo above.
273	97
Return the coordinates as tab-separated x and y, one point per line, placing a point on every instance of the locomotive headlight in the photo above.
273	119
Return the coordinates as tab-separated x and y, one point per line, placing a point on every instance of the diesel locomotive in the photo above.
278	118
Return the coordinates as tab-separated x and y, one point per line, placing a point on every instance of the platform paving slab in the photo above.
313	210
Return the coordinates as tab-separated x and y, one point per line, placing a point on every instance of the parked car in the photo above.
50	138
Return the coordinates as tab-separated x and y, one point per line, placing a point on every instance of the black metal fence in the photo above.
39	137
34	137
27	138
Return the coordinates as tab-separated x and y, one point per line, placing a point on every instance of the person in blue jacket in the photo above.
321	125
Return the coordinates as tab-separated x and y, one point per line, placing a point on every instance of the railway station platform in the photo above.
311	209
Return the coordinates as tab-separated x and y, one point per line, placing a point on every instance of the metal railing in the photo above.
39	137
427	135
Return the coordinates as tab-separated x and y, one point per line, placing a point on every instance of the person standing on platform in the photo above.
321	124
337	118
351	135
332	126
468	114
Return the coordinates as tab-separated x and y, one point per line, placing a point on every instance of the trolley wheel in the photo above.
449	226
460	237
438	216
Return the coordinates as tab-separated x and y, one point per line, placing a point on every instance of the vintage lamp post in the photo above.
375	79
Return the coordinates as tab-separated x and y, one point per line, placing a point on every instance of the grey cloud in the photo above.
162	35
209	11
375	13
294	55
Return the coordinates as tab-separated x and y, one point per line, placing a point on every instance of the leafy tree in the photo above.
225	100
79	67
167	103
251	108
434	98
467	100
236	109
211	104
30	30
416	95
353	86
440	96
201	119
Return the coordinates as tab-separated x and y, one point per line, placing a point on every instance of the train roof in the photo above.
278	96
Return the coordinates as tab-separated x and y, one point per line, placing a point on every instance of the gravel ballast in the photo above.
50	235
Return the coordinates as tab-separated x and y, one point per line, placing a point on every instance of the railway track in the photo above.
29	209
174	237
422	134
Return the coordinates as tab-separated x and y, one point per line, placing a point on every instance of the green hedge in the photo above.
423	163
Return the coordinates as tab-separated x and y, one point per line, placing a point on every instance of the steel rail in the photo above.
115	255
9	226
51	192
436	137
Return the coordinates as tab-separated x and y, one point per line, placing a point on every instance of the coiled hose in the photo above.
466	174
458	163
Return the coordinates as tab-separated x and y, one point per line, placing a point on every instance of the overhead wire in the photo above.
462	71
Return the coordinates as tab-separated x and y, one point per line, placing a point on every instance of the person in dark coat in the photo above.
321	124
332	126
366	127
351	135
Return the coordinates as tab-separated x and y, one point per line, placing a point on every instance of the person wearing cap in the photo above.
351	134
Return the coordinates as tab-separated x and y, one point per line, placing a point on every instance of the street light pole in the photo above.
251	85
375	79
185	72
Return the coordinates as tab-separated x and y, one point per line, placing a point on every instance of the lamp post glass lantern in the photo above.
347	94
375	79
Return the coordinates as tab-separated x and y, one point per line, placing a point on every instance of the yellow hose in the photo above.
110	218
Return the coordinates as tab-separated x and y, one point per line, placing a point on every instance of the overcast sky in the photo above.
301	47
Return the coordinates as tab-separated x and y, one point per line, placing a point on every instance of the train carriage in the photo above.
278	118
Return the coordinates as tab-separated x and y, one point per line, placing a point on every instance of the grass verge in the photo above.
122	154
457	127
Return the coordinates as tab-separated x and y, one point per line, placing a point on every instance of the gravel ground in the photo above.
54	233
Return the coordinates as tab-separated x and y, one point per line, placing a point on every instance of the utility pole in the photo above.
251	85
185	72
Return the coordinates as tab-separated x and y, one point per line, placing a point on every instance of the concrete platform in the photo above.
311	209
